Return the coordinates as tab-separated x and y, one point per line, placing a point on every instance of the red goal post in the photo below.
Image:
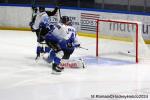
98	28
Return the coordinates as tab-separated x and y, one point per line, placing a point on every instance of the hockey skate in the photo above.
56	69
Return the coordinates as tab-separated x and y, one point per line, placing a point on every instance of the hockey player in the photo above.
62	40
40	32
73	43
67	35
34	13
38	17
55	55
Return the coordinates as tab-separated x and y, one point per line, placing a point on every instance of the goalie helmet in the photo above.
65	20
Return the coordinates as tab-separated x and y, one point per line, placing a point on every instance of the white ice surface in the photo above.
21	78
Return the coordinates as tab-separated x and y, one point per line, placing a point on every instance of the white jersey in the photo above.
64	32
60	31
40	18
72	31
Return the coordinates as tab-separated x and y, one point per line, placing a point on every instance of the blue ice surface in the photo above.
105	61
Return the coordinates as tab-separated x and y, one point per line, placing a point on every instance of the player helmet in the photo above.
65	20
41	9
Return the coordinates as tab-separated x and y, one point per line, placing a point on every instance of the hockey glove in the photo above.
31	24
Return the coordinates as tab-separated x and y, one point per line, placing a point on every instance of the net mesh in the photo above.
121	40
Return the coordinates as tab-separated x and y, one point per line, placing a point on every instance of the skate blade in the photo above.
55	73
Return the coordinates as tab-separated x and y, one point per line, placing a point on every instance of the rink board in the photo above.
83	20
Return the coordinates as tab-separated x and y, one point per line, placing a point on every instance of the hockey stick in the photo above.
83	48
59	12
33	2
58	4
34	10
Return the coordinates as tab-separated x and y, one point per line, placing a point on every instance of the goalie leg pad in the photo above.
74	63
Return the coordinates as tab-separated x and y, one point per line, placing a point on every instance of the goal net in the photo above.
121	40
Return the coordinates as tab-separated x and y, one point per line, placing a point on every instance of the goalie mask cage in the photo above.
130	29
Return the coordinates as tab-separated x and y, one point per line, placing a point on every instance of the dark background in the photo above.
121	5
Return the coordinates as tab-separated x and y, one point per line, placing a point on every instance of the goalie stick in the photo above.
83	48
